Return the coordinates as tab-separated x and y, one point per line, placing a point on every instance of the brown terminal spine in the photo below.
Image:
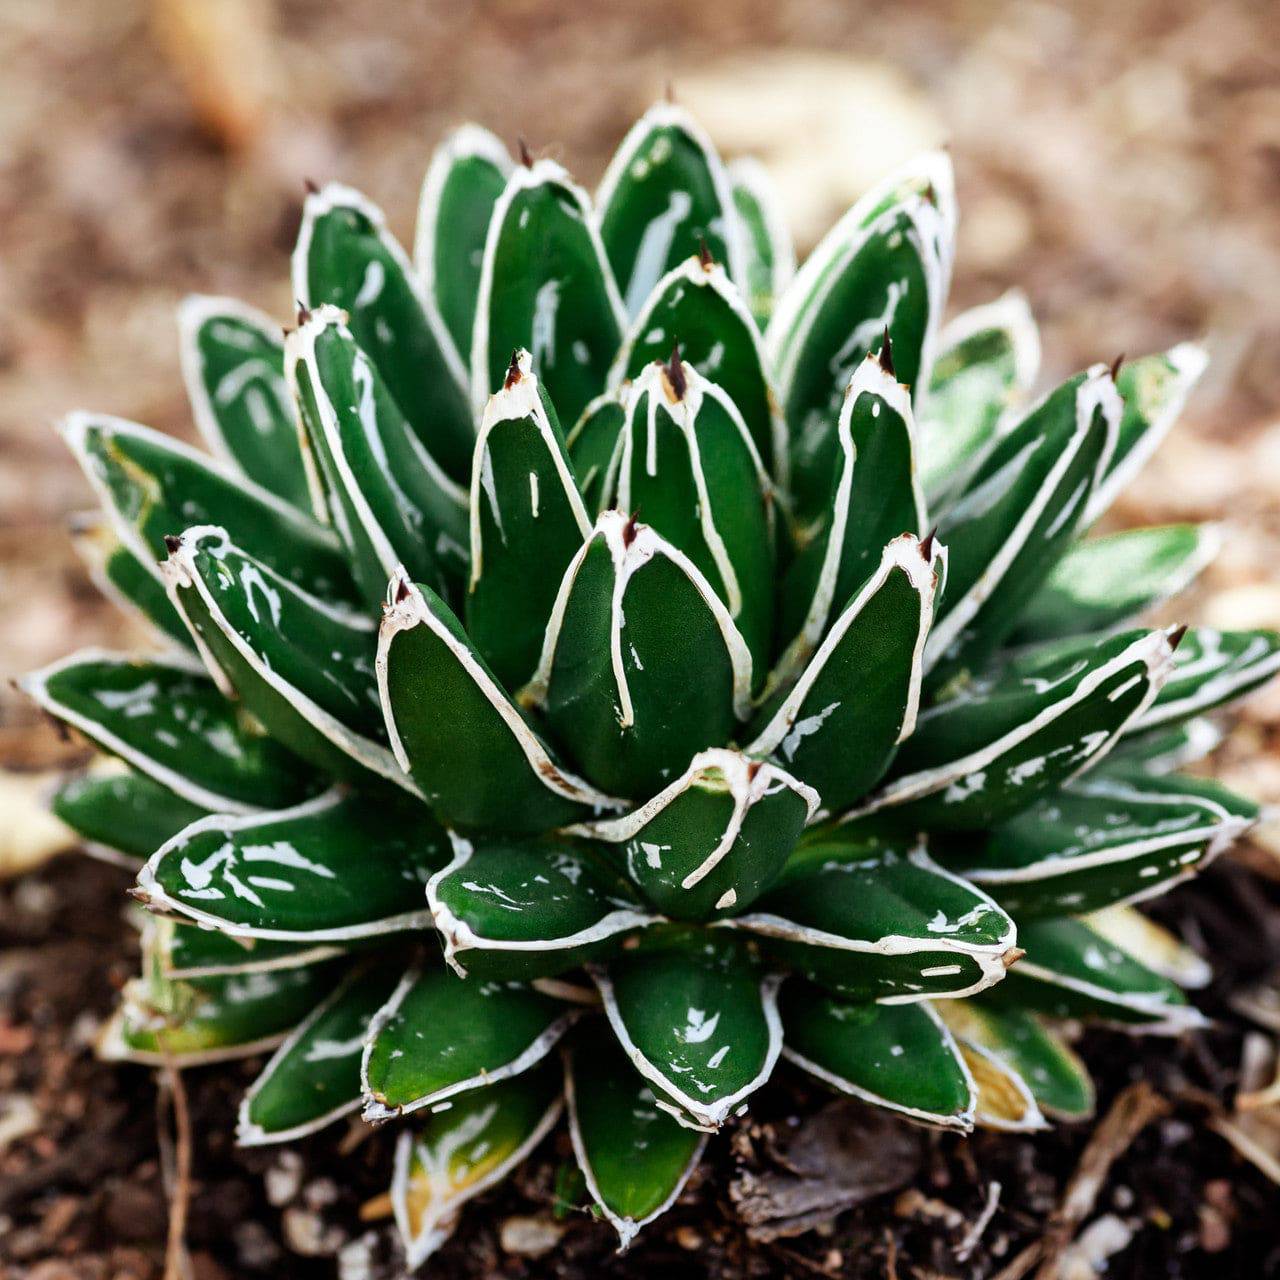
674	370
886	354
513	372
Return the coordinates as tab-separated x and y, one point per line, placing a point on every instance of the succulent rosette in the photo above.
595	663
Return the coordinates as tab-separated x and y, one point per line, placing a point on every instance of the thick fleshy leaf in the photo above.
1016	516
771	254
899	1056
884	265
302	667
988	358
527	521
1161	950
313	1078
1057	1079
345	257
466	176
467	745
643	666
1115	835
710	843
874	498
697	308
439	1035
1211	668
1103	582
384	493
634	1156
193	951
698	1020
838	726
335	869
124	816
1154	390
1162	750
593	446
545	286
990	751
152	487
666	192
689	464
458	1152
519	910
1070	971
873	919
166	719
1002	1098
233	365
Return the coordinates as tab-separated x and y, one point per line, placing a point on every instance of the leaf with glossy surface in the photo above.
770	251
545	286
593	445
898	1056
192	951
233	366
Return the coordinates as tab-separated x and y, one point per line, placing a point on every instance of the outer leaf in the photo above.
1116	835
301	666
313	1079
470	749
698	1022
346	257
337	868
636	1159
664	194
1162	951
1016	517
986	754
1175	747
771	254
524	910
167	720
593	448
527	521
897	1056
153	487
874	920
642	664
438	1036
688	462
710	843
545	285
233	365
697	308
468	171
1103	582
184	951
837	728
459	1152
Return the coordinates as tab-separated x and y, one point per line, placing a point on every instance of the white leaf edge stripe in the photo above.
1097	393
653	389
111	1046
335	195
249	1133
961	1121
35	685
706	1116
514	403
992	959
407	608
1010	314
1162	951
1200	736
300	348
627	1228
1189	361
375	1111
195	311
439	1220
180	573
157	940
903	553
628	560
541	173
467	142
746	788
1152	650
76	426
458	936
1033	1120
749	175
666	115
693	273
155	894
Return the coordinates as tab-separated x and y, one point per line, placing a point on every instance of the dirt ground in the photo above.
1120	163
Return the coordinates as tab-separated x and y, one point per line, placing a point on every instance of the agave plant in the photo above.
783	706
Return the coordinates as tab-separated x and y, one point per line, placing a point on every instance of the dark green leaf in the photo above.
192	951
771	255
1161	750
593	445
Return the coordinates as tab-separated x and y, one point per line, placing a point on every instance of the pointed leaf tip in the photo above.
704	254
513	370
1116	366
886	354
312	186
171	543
926	547
1175	636
523	148
676	377
631	528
